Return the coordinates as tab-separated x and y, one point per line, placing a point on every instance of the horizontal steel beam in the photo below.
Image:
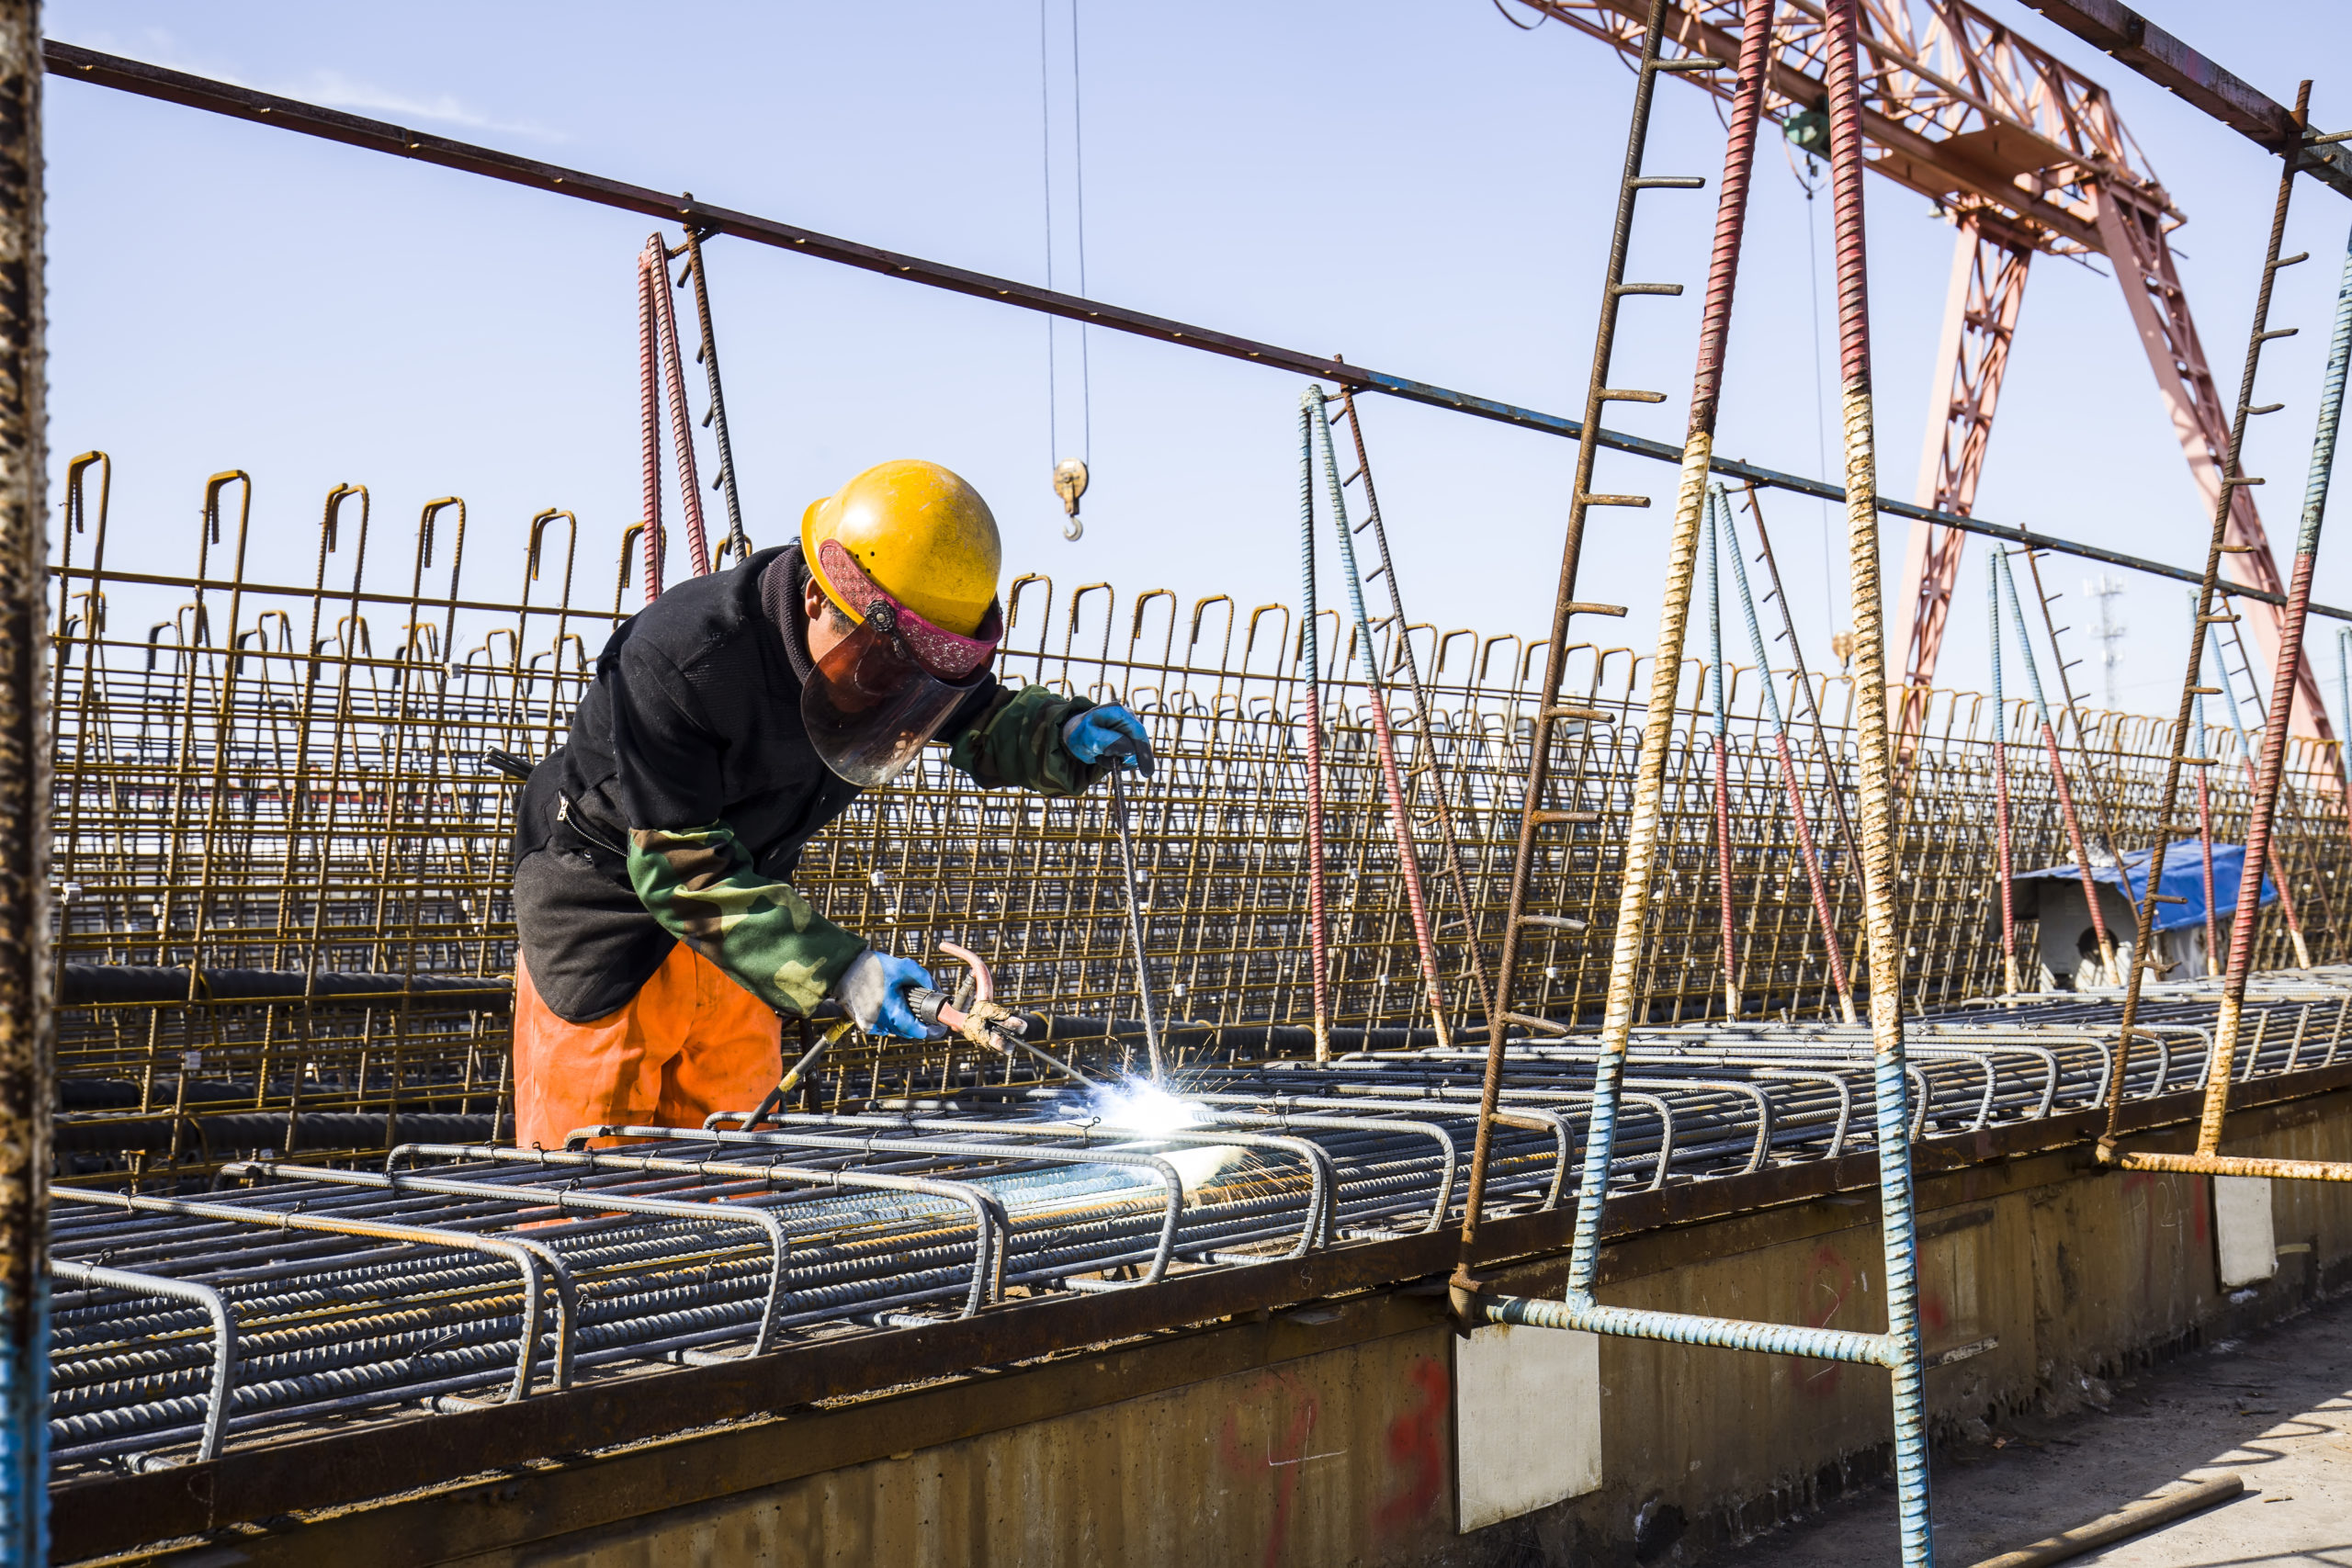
76	63
2130	38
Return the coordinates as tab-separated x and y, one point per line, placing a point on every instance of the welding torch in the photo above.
986	1022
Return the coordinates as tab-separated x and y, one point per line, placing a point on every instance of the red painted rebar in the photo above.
657	259
2266	783
2074	837
1393	785
648	377
2001	857
2205	842
2286	894
1821	914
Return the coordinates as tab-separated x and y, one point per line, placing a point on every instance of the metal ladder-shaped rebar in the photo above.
2207	1159
1402	787
1473	1304
2233	682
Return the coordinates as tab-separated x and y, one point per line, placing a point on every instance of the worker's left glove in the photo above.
874	989
1109	731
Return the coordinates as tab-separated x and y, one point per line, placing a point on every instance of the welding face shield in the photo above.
878	695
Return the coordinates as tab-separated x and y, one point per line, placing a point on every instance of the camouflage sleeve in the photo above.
700	885
1017	740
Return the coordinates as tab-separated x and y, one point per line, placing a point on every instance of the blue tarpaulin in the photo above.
2184	878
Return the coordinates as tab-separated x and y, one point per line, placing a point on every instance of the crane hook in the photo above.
1069	483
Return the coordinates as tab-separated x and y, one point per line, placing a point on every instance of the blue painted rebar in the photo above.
2057	763
1310	656
1719	506
1721	759
1392	782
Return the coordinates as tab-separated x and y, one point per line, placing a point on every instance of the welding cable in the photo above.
651	278
1310	664
2057	766
2213	956
1799	818
1721	824
2002	869
2249	756
681	430
1400	822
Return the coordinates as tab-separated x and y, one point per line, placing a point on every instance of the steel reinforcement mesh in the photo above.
280	858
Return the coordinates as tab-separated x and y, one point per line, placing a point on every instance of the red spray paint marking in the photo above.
1414	1447
1285	1464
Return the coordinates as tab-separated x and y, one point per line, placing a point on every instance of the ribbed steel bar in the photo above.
1535	811
26	1042
2233	476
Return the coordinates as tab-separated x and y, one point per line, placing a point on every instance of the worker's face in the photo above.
824	634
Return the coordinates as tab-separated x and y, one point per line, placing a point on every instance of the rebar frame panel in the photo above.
281	786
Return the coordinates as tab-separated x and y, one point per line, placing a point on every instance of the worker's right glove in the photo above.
874	989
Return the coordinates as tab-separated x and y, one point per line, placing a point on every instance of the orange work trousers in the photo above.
689	1043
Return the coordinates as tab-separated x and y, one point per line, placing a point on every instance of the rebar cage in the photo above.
280	863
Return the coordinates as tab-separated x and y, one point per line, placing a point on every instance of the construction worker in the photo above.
729	722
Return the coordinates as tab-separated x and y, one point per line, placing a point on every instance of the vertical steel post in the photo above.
2229	481
25	1042
1876	781
1310	657
2282	697
2204	800
2001	782
1718	704
1799	820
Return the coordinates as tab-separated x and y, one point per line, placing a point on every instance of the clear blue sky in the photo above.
1420	187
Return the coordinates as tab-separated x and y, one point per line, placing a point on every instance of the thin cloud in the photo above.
336	90
329	88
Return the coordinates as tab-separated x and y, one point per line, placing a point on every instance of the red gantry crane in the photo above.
2025	154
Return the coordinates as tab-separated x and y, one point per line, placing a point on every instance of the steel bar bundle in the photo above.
459	1272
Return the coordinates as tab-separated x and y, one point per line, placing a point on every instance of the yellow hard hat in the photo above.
923	534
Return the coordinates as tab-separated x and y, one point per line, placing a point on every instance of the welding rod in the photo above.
1135	926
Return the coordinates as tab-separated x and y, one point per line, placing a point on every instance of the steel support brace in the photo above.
1581	1312
1980	321
25	1044
137	76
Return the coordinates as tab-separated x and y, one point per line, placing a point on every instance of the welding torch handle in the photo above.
934	1007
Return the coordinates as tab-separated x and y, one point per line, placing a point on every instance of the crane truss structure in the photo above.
2025	154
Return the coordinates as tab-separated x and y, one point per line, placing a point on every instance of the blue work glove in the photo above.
874	989
1109	731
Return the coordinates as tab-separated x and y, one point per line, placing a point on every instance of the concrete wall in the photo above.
1325	1436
